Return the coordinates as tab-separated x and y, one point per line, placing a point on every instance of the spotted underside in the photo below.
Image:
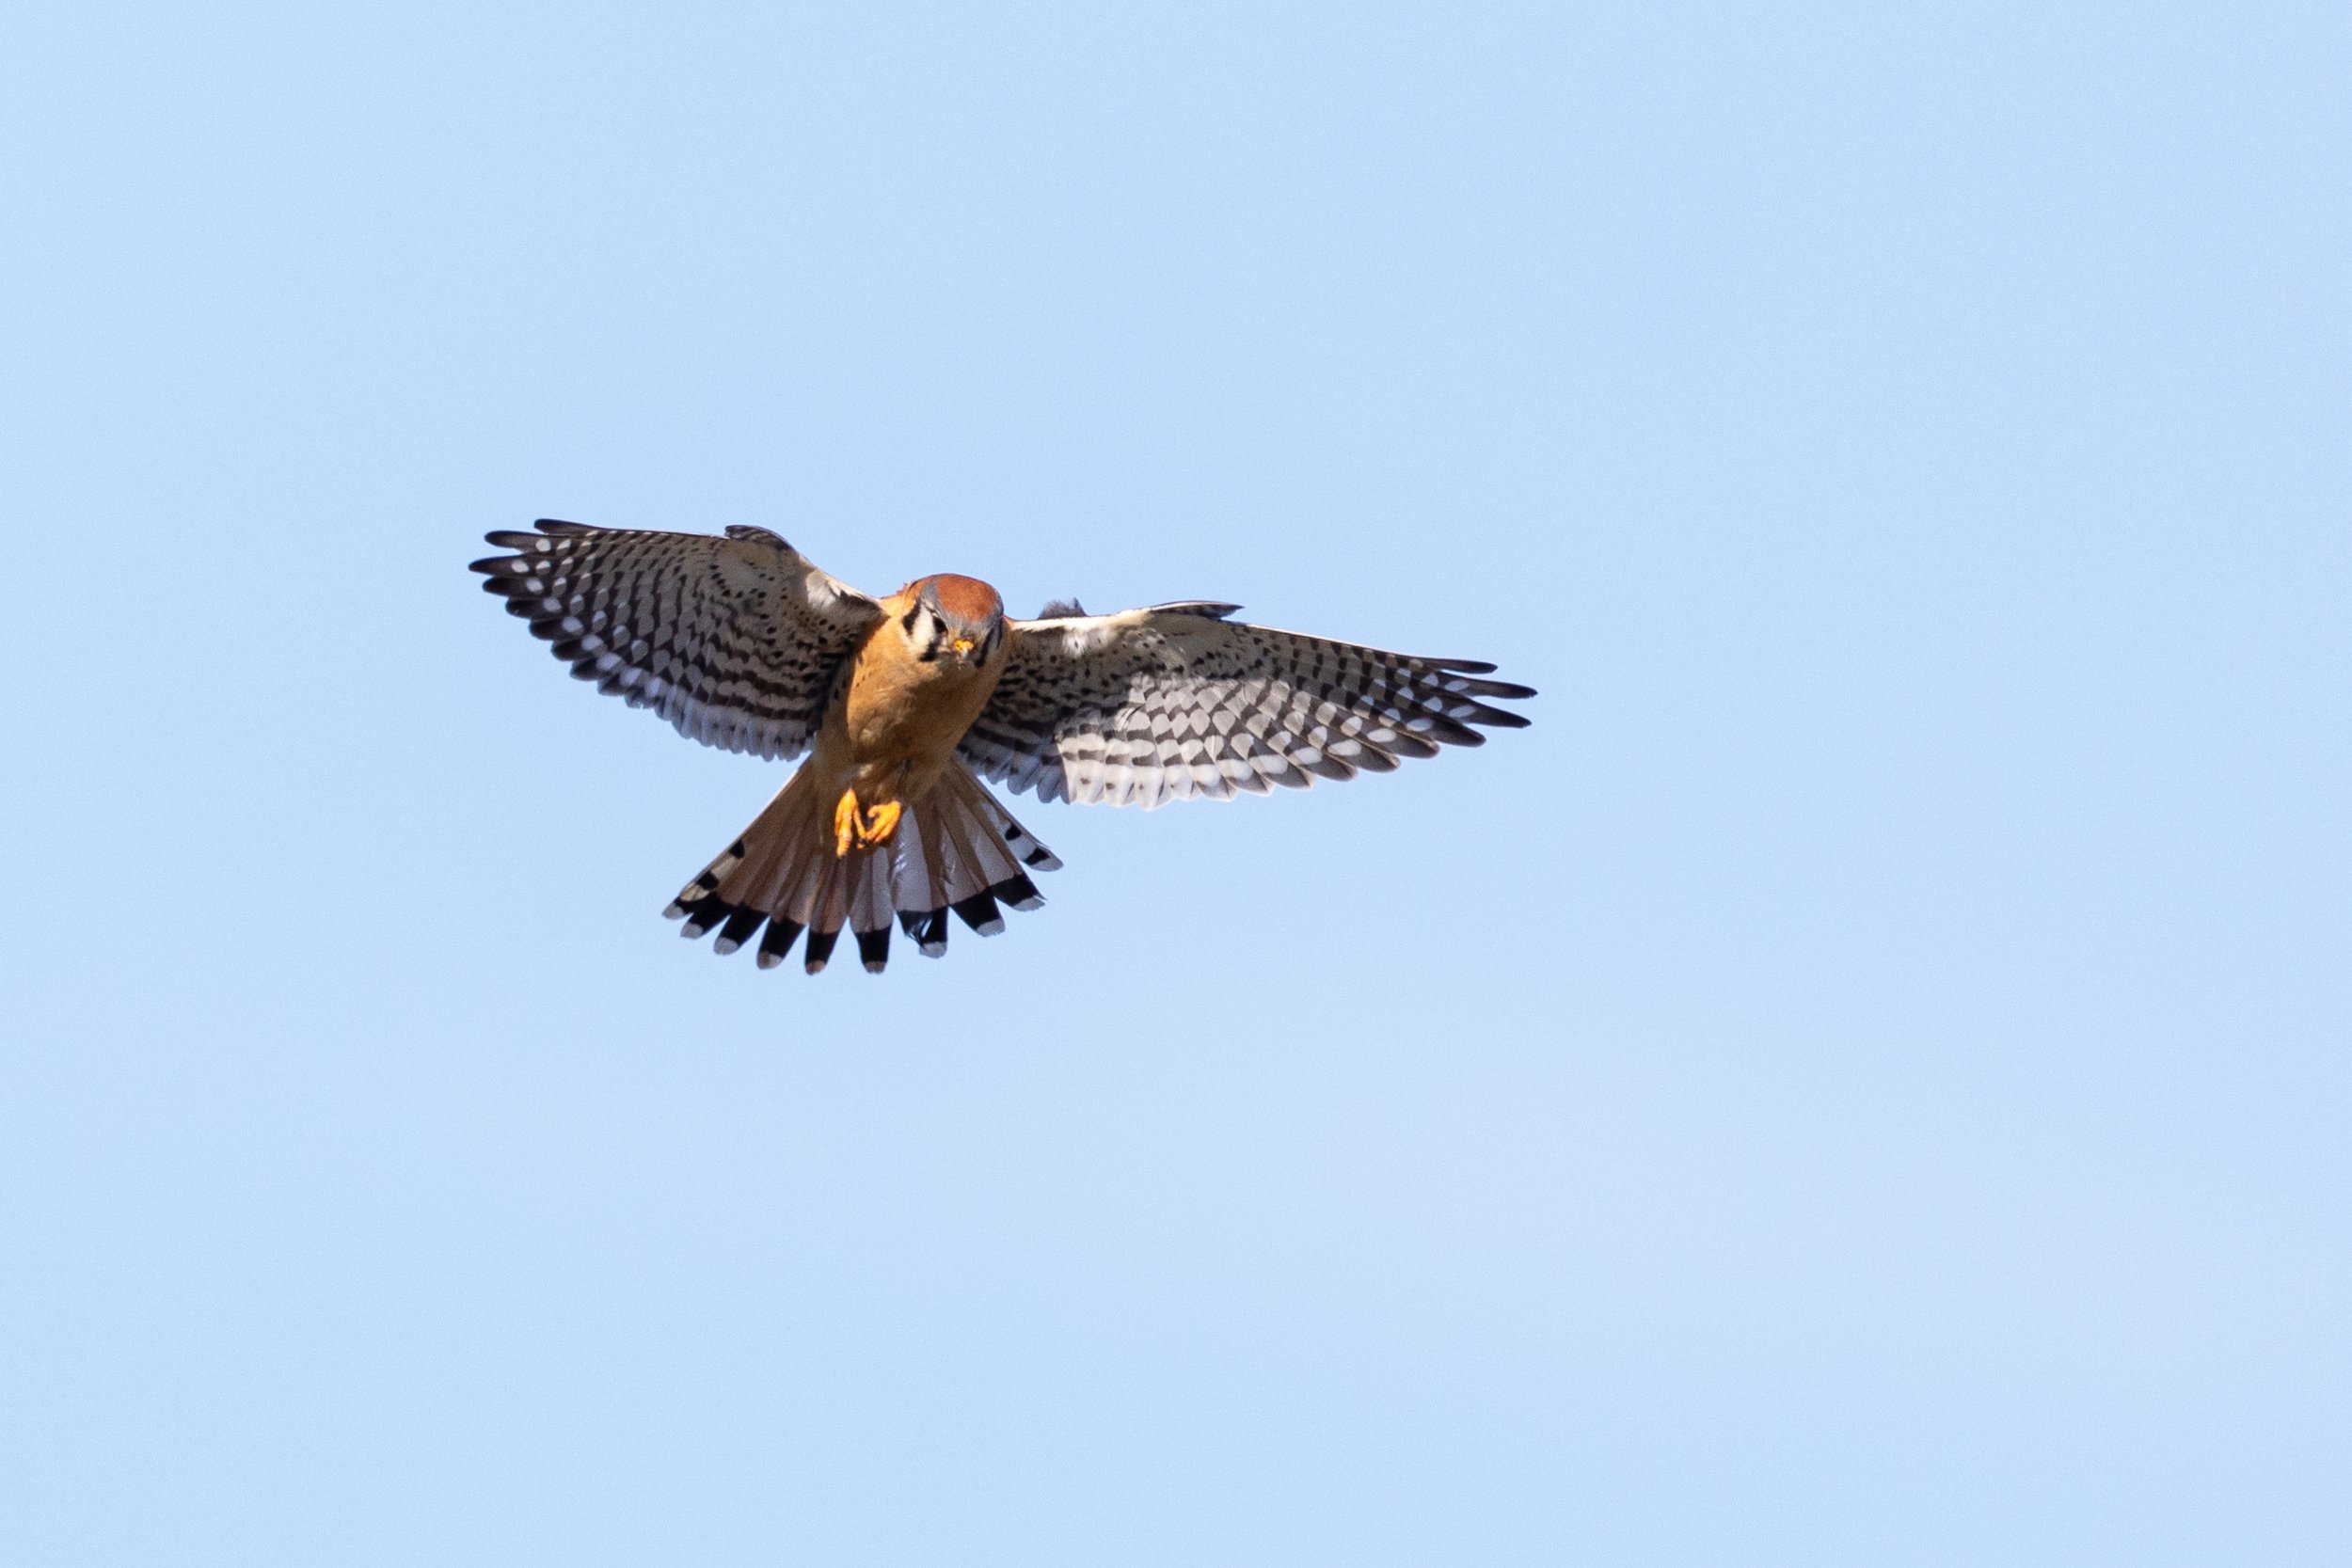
1176	702
737	640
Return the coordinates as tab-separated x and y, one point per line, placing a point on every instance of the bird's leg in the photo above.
861	829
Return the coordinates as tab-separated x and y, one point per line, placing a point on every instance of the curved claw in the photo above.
862	829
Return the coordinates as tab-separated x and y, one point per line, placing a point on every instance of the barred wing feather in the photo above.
1177	702
737	641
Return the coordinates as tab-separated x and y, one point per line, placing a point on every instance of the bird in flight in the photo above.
906	703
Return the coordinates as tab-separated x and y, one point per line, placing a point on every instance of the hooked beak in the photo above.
963	647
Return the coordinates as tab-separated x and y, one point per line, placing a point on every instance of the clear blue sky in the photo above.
1864	1080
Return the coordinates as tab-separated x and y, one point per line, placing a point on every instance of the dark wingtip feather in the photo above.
873	949
820	949
782	933
979	911
927	928
1061	609
1447	729
1018	890
706	915
738	930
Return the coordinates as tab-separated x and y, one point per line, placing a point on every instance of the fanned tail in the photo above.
955	848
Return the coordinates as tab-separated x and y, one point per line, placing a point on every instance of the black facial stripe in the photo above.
930	649
906	623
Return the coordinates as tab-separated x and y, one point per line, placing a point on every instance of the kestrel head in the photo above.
952	617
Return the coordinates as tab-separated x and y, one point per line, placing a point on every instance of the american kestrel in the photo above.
740	642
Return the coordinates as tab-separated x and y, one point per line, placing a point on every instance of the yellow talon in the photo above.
856	829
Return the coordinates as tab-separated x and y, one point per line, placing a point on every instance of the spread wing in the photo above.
734	641
1176	702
